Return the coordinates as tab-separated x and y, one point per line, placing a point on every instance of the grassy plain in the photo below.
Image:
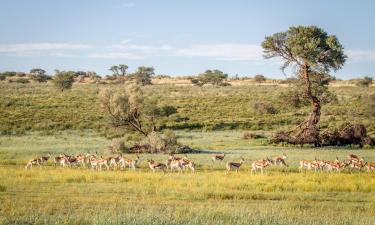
82	196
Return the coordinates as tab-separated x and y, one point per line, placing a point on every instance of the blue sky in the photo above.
175	37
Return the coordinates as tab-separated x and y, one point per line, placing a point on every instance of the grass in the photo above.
209	196
40	107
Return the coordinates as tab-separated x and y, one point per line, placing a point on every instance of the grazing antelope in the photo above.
234	165
114	161
37	161
188	163
336	165
280	160
174	164
60	160
102	162
357	165
132	163
218	158
370	167
261	164
315	164
156	166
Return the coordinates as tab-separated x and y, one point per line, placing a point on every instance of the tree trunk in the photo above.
308	132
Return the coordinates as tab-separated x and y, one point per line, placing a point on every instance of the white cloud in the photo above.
225	51
222	51
24	49
361	55
115	55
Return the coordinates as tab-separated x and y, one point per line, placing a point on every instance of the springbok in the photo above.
174	164
218	158
336	165
261	164
315	164
37	161
280	160
60	160
234	165
156	166
370	167
113	162
188	163
132	163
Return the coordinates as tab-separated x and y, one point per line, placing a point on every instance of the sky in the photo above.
184	37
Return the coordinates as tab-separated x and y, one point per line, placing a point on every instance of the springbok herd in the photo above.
173	163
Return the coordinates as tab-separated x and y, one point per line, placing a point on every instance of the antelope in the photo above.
218	158
60	160
260	164
37	161
187	163
336	165
156	166
174	164
234	165
357	165
280	160
102	162
370	167
114	161
132	163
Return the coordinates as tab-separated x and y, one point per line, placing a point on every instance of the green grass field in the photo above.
209	196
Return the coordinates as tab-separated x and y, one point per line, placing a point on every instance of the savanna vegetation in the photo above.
211	121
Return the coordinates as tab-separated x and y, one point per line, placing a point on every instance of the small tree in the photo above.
314	53
143	75
64	80
260	78
364	82
39	75
115	70
214	77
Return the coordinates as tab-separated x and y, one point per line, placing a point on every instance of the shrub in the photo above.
214	77
168	110
63	80
118	145
143	75
156	142
249	135
364	82
265	107
260	78
22	81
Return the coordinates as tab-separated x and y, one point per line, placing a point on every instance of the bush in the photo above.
156	142
249	135
265	107
63	80
214	77
260	78
364	82
22	81
118	145
143	75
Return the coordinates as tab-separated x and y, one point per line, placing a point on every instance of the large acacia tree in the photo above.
314	54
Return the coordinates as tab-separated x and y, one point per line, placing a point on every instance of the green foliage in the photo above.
264	107
260	78
364	82
143	75
64	80
214	77
306	44
22	80
40	106
39	75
